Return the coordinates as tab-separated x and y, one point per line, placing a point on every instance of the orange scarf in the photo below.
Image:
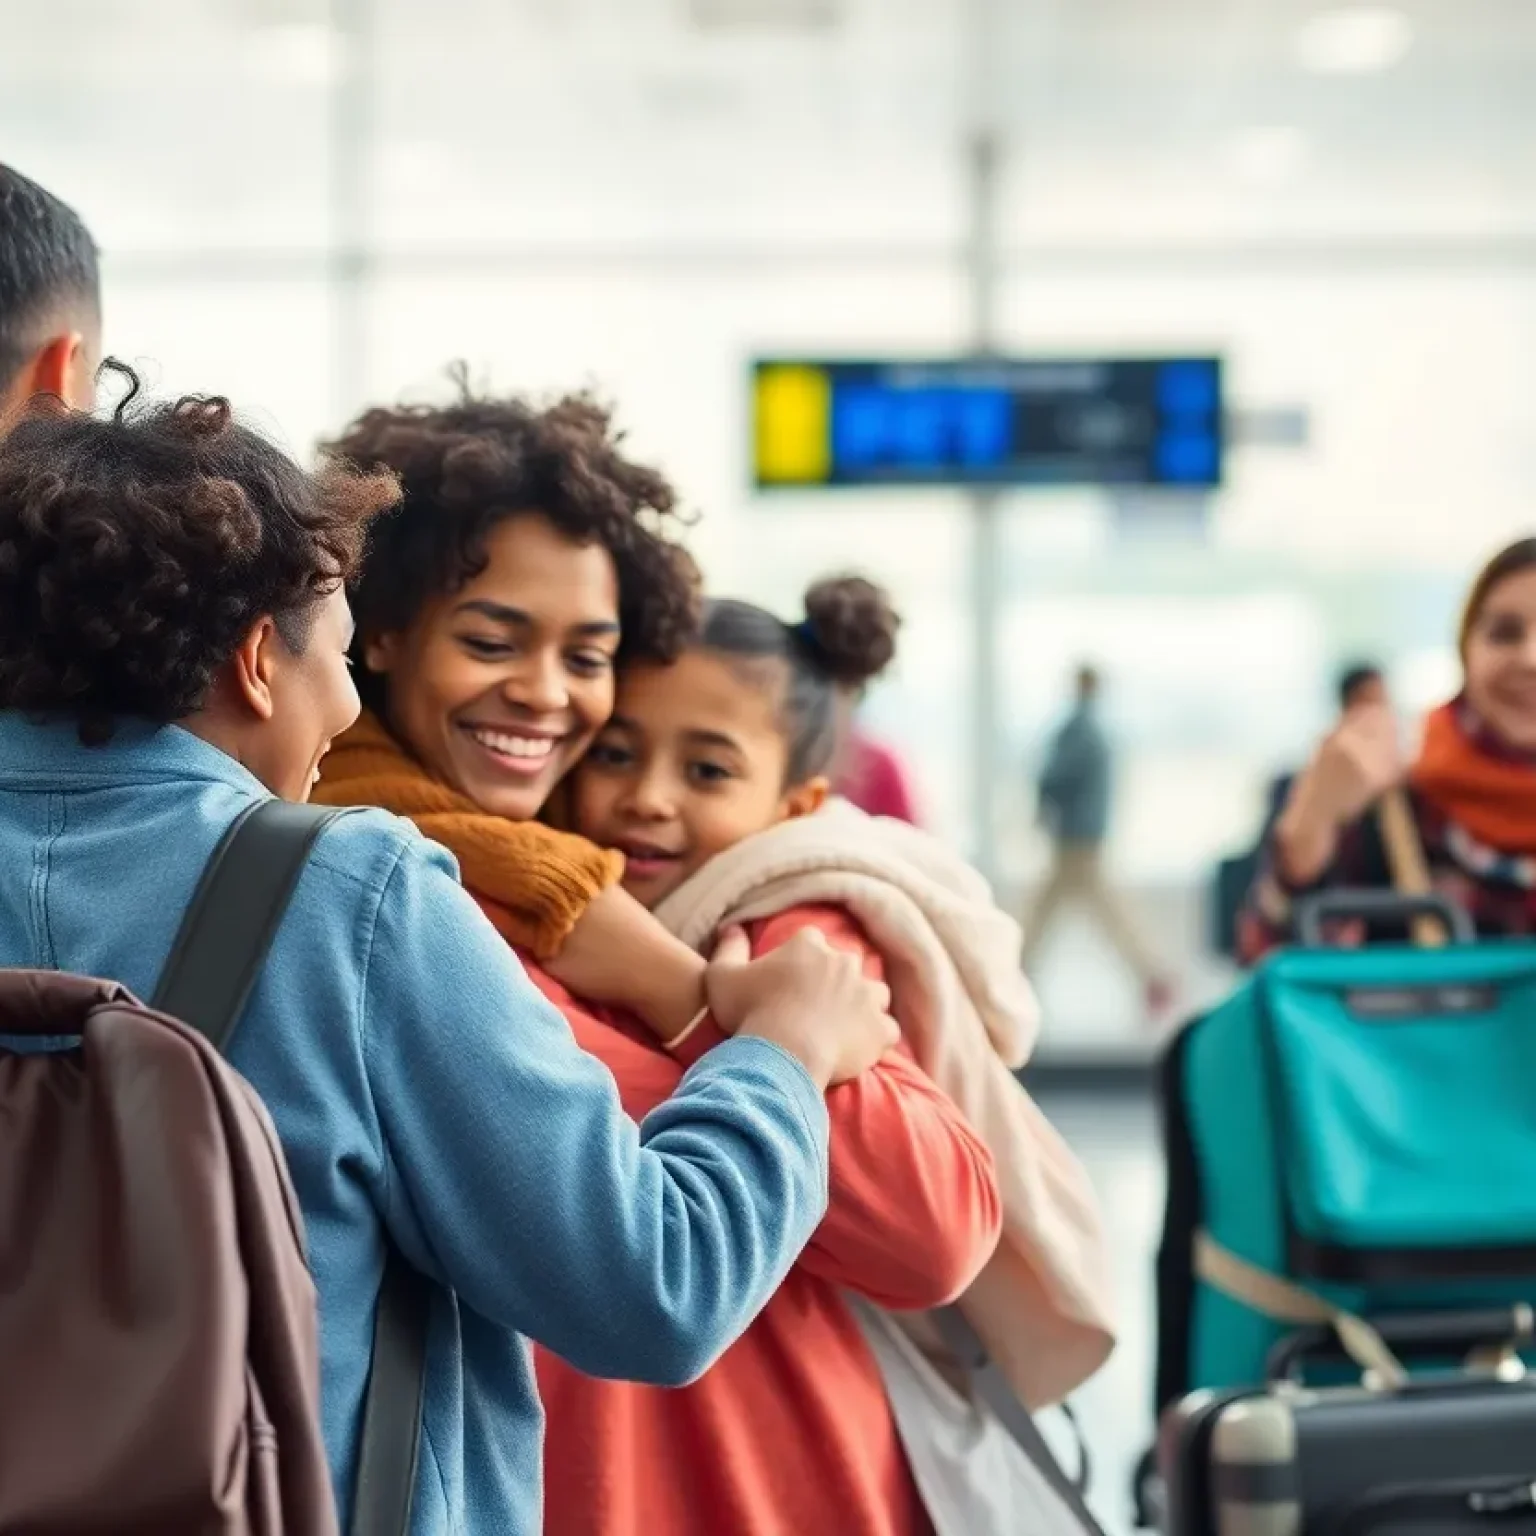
533	882
1493	799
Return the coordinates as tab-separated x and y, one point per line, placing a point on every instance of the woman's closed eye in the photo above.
487	648
584	663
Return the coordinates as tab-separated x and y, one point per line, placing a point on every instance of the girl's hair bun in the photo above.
850	629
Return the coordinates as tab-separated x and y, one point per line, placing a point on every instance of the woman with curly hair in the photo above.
524	560
173	649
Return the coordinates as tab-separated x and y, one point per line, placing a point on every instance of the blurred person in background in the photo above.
1075	793
1363	684
1471	790
870	773
50	299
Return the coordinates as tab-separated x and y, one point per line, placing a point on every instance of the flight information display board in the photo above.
988	422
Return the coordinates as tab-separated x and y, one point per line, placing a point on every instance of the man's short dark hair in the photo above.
47	262
1353	678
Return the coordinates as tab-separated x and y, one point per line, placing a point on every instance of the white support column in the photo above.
983	167
351	150
985	513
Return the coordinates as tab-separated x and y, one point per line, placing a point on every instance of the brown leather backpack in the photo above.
159	1354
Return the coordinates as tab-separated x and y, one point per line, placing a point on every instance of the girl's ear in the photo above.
805	799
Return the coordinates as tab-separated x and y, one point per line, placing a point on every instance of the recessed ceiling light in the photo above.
1268	153
1354	40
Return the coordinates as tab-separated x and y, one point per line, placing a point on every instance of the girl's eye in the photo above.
591	663
709	773
1506	632
607	755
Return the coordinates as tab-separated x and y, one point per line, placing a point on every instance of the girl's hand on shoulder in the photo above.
810	999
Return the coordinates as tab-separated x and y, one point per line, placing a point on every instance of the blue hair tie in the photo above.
805	637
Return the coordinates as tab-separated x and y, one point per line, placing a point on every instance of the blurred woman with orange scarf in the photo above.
1471	791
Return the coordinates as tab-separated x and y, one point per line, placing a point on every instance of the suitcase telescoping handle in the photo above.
1473	1332
1375	906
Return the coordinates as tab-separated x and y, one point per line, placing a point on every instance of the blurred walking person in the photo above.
872	776
1075	793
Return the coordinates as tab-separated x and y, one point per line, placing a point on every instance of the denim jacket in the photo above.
425	1092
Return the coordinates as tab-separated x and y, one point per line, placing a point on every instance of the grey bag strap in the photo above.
993	1389
213	965
235	914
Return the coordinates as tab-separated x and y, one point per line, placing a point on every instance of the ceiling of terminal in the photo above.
504	122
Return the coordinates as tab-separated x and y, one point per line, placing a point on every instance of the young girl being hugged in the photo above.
711	779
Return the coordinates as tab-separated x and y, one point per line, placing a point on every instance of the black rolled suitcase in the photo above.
1443	1455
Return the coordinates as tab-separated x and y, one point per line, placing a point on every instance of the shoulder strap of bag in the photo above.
1284	1301
214	964
993	1389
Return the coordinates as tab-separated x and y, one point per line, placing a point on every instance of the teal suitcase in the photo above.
1360	1124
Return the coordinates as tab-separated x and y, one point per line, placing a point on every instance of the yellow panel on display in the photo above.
794	425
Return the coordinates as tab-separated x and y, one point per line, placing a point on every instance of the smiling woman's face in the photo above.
1500	660
499	687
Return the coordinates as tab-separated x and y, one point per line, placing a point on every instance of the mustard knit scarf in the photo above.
533	882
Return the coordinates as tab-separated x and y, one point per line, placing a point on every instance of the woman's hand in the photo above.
810	999
1358	762
618	953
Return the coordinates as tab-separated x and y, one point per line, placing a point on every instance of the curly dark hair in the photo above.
466	467
136	552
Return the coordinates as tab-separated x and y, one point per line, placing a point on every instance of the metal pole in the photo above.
986	534
351	143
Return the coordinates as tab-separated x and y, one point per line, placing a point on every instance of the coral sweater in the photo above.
790	1432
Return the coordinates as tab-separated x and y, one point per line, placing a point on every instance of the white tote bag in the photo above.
979	1462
